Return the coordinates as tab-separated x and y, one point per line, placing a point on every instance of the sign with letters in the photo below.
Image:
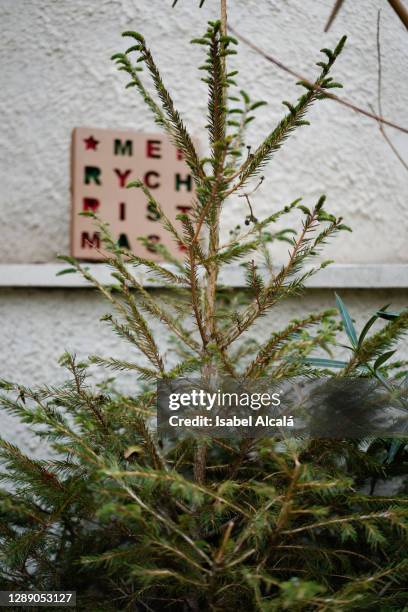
103	163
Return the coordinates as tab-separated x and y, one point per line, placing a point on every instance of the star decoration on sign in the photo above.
91	143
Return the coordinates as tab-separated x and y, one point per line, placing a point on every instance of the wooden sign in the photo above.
103	163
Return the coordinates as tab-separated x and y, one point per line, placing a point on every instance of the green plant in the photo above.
371	357
133	523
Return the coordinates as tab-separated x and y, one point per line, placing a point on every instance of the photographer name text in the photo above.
200	421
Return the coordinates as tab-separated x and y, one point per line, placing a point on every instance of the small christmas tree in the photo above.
248	524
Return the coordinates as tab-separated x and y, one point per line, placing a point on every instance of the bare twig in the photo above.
175	2
401	11
224	17
393	147
379	98
342	101
397	5
333	14
379	64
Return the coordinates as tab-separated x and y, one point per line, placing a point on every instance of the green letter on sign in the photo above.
186	182
123	148
92	173
123	241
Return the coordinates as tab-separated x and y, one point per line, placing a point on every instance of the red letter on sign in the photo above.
122	176
184	209
90	204
153	149
87	241
148	182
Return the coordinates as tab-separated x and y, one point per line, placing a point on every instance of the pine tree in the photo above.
133	523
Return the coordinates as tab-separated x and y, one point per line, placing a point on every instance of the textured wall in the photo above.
56	75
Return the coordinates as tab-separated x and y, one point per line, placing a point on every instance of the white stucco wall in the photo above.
56	74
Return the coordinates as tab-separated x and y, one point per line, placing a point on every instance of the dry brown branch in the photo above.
342	101
397	5
333	14
401	11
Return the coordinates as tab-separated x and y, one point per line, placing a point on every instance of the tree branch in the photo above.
329	95
401	11
333	14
